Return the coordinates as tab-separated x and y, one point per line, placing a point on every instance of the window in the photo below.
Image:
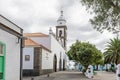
1	49
27	57
60	33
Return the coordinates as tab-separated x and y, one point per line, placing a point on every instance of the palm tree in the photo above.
112	53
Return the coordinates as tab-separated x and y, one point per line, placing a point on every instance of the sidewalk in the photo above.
62	75
73	75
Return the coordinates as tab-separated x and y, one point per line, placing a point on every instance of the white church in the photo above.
45	53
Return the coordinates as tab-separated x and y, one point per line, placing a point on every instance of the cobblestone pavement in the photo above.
73	75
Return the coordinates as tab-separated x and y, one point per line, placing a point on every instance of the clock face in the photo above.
61	32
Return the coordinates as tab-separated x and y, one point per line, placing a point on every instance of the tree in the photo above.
107	14
98	59
85	53
112	53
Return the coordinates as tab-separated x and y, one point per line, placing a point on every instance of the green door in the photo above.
2	61
1	67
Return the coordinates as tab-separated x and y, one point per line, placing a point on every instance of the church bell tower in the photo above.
61	30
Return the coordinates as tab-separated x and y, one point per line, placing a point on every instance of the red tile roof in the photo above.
35	35
30	42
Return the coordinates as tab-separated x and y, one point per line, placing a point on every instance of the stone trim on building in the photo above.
30	72
46	71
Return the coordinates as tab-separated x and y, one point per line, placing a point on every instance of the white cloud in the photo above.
39	15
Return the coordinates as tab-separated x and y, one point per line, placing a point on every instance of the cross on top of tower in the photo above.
61	12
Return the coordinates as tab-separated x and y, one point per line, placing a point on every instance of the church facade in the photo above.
10	50
47	53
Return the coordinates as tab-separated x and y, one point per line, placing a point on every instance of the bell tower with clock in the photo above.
61	30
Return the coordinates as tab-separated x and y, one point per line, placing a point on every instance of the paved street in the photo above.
105	75
70	75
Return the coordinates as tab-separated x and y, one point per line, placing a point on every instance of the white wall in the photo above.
12	66
51	43
45	41
56	48
28	64
47	60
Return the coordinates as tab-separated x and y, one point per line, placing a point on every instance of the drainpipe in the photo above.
21	55
22	39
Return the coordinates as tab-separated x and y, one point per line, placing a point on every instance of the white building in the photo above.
34	55
10	50
52	55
